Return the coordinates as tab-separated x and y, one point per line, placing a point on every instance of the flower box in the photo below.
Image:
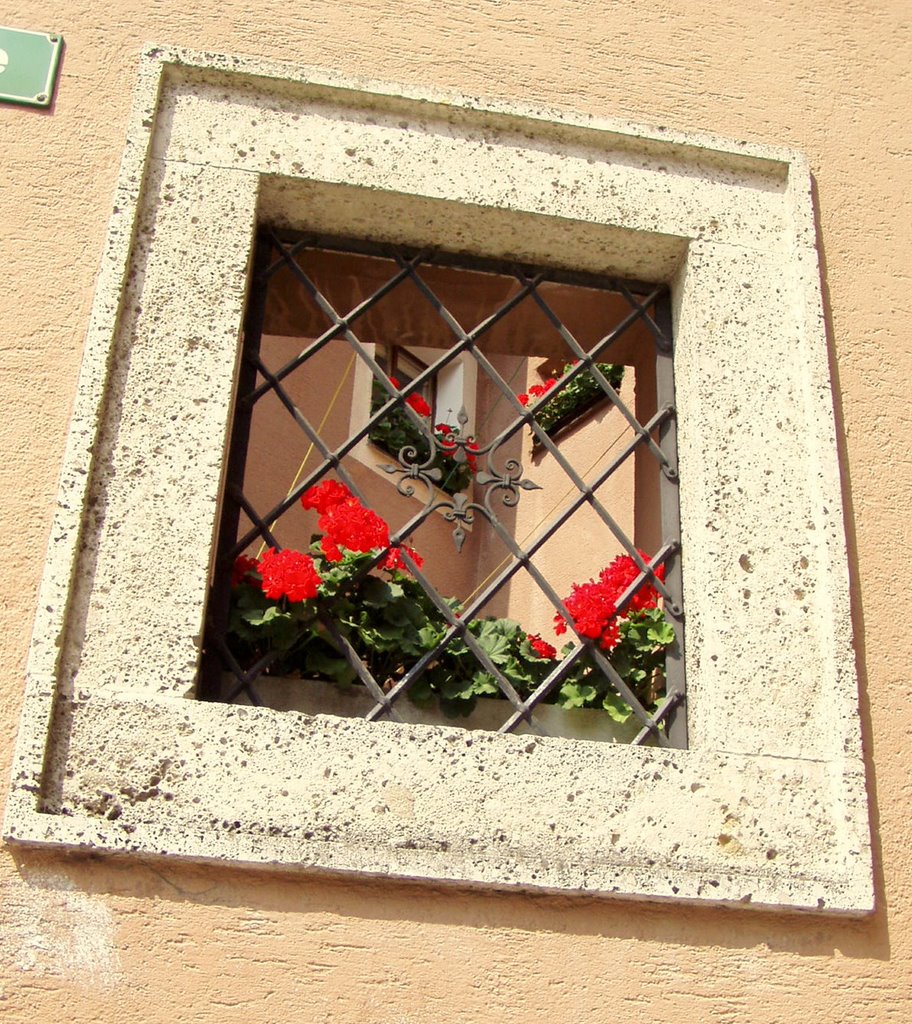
318	697
375	610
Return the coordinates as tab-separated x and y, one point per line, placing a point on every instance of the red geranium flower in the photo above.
324	496
416	402
472	446
242	570
330	550
351	525
536	391
394	560
622	572
541	647
289	574
448	446
539	390
591	606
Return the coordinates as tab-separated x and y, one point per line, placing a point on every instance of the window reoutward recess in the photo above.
451	497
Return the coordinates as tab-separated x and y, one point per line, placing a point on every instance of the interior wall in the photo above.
120	941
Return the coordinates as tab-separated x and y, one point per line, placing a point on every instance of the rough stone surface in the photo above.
284	788
767	806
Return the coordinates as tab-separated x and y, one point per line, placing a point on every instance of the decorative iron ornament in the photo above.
458	509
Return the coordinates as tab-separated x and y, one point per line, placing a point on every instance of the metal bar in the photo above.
527	415
587	491
566	664
334	458
663	448
588	359
669	493
413	674
547	532
485	595
463	261
351	656
261	527
606	667
332	333
663	339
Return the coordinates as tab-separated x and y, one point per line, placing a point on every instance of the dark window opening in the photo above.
451	495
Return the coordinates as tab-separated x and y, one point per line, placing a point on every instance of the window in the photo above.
374	582
404	426
114	752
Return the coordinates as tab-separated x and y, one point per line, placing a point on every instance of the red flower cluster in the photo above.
537	391
622	572
593	605
541	647
289	574
346	523
242	570
415	401
593	613
395	561
449	446
324	496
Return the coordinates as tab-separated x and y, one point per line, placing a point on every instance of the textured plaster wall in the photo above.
123	941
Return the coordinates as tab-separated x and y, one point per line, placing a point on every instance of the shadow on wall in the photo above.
375	903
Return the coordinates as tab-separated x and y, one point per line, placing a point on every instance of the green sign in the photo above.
28	66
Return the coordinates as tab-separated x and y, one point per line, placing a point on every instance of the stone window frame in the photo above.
768	804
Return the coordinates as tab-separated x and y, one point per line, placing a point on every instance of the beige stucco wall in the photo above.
103	941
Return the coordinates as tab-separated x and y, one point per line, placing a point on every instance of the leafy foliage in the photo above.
352	604
574	399
638	658
391	624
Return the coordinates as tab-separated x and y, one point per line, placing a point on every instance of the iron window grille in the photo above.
297	288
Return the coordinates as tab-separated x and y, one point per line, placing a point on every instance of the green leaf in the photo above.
403	613
498	627
513	669
264	616
494	638
322	664
383	637
376	593
484	685
456	648
497	648
617	707
422	693
621	662
456	688
663	634
429	637
576	695
457	708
